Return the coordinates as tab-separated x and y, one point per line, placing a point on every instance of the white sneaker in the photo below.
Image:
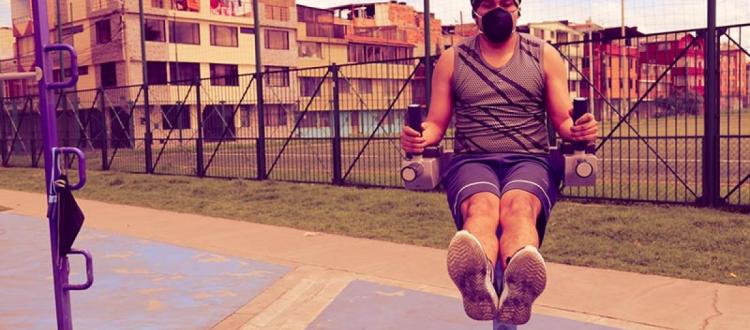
473	274
524	279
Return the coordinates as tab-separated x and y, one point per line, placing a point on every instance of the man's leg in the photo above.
481	214
524	275
473	196
519	211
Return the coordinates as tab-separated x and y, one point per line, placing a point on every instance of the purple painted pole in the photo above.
60	266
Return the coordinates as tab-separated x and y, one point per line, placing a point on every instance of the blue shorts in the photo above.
497	173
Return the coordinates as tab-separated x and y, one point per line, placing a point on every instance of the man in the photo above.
502	86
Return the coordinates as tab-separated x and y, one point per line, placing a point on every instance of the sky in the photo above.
4	13
648	15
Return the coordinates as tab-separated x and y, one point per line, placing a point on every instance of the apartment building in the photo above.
732	68
393	21
185	41
688	71
7	54
453	34
381	33
7	43
569	42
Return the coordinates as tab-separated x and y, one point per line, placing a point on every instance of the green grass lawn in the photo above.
731	123
684	242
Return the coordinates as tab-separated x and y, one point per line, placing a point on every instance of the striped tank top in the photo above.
500	110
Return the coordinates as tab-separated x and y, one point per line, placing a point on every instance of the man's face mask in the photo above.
497	24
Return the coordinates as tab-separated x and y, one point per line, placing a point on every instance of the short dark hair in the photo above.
476	3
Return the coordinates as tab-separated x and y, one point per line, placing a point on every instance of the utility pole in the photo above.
622	18
591	67
148	137
623	57
427	57
261	145
63	97
711	141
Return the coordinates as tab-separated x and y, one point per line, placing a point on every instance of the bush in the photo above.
679	104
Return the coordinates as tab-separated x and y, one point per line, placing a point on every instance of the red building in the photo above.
687	74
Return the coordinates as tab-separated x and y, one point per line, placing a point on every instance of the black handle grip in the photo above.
414	120
414	117
580	108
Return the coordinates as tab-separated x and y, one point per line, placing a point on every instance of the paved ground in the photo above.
165	270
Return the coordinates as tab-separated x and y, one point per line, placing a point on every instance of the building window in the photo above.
157	73
224	75
391	87
310	49
103	32
364	86
275	115
186	5
155	30
108	73
276	39
224	36
354	118
344	86
310	119
175	117
82	71
247	117
184	33
323	30
184	73
276	76
277	13
308	85
306	14
372	53
157	3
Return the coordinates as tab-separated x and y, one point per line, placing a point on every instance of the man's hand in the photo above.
585	128
412	141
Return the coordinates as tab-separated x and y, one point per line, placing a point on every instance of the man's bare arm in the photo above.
559	105
441	108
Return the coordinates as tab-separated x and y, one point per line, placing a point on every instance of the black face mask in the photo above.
497	25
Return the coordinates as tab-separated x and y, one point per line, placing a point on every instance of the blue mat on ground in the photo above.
138	284
366	305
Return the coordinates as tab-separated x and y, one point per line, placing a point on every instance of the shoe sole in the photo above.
467	267
525	279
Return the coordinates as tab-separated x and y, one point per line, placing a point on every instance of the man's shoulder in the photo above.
464	44
533	41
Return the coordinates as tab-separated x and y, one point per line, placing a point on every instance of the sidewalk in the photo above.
328	276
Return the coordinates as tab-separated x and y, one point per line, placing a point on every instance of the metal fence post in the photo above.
711	143
336	155
260	147
34	133
105	133
148	137
199	140
3	141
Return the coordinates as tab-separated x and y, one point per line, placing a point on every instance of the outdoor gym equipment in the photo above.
65	217
580	162
422	172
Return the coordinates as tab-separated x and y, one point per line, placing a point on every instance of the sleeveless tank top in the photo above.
500	110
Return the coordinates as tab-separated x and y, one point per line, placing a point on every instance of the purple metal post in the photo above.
60	266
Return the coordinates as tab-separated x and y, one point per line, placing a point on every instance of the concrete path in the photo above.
317	281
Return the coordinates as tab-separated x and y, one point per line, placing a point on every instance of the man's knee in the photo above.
519	205
486	205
